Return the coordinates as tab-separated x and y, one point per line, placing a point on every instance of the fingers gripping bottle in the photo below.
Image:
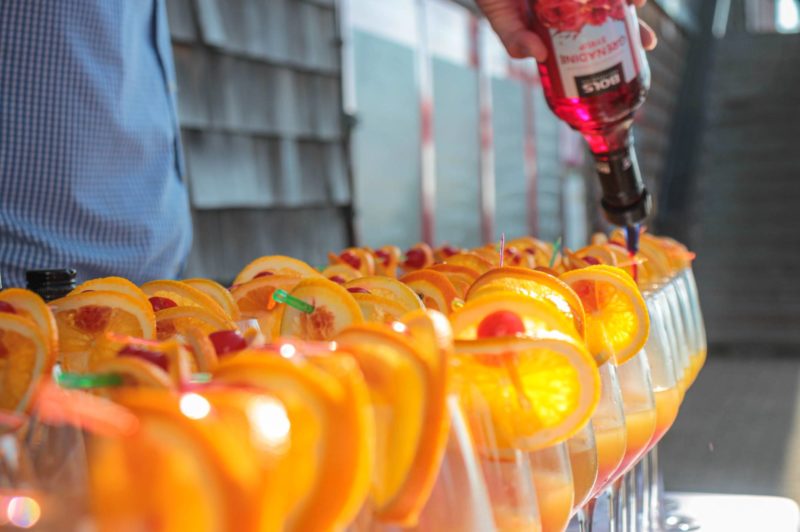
594	78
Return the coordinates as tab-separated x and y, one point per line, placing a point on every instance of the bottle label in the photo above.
592	43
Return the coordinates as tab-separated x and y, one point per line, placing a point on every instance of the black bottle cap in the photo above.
39	277
51	284
626	201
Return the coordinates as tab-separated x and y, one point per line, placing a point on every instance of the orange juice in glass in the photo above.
639	407
584	463
555	490
611	444
696	362
609	428
668	402
639	428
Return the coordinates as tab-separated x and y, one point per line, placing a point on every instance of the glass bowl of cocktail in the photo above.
526	383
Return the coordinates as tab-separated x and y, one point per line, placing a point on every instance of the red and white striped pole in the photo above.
529	83
427	143
487	171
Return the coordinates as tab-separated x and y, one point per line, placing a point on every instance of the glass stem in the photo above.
630	500
644	488
617	512
656	490
586	515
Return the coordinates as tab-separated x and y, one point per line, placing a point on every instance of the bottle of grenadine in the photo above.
594	78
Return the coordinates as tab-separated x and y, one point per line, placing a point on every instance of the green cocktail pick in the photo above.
556	252
282	296
78	381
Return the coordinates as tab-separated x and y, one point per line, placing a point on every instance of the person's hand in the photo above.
508	20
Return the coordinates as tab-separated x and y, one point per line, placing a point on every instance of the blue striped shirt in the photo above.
90	160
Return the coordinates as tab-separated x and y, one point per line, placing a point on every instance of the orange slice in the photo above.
387	259
169	357
536	315
617	322
218	293
432	334
181	364
275	265
341	273
176	487
83	318
417	257
489	253
537	251
441	253
29	305
529	242
571	261
175	321
135	372
265	426
360	259
462	277
525	393
332	448
254	299
112	284
601	253
434	289
183	295
534	284
388	288
679	256
378	308
518	257
24	356
203	351
184	468
648	267
408	399
471	260
658	260
334	309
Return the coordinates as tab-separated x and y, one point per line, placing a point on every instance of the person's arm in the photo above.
508	21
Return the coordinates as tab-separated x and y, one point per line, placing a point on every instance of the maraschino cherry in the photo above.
501	323
226	342
160	303
153	357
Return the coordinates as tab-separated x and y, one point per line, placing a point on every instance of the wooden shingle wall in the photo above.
654	119
747	188
260	108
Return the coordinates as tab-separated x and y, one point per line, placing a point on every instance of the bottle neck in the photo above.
611	138
626	201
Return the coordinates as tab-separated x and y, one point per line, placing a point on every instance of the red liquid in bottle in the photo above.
595	77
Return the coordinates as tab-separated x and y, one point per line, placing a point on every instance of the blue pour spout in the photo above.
632	238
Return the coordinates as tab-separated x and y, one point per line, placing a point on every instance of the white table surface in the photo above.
737	513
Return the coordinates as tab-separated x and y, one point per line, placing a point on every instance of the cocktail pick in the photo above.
200	378
556	252
88	381
282	296
502	249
